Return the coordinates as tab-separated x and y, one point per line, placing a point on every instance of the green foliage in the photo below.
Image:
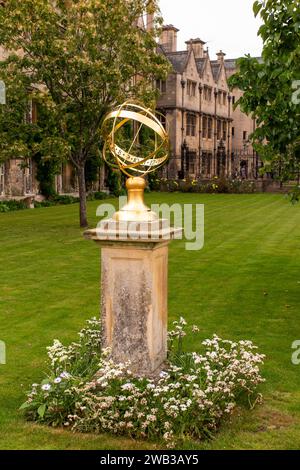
12	205
295	195
115	181
46	203
271	86
85	57
65	199
55	200
153	181
215	186
45	174
97	196
92	167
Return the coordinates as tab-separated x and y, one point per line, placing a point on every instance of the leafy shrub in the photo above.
190	397
97	195
12	205
64	199
46	203
4	207
295	194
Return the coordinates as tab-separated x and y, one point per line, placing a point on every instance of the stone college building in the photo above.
208	136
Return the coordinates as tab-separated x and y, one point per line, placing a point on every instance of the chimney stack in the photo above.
206	53
221	57
168	38
150	21
197	46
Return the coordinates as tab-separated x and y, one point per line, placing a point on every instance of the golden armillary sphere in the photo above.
136	142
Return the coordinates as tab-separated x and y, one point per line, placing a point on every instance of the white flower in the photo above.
46	387
163	374
57	380
151	418
65	375
195	329
128	386
150	386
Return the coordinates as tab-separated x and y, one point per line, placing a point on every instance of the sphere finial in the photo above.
135	141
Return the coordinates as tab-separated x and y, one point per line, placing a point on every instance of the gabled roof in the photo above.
216	69
200	65
230	64
178	60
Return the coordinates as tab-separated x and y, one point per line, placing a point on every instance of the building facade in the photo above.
208	136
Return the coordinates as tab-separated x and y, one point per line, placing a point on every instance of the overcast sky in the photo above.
224	24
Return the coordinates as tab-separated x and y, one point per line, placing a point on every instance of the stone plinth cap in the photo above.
155	231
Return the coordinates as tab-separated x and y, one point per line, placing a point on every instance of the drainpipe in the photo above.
183	83
215	134
200	131
228	137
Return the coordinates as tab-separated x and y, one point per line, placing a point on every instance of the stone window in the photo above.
224	98
204	127
162	118
224	130
219	127
31	113
233	100
244	135
219	97
232	131
2	179
161	85
209	128
28	176
191	162
206	163
191	125
207	93
191	88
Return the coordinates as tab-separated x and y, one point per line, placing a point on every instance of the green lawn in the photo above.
245	284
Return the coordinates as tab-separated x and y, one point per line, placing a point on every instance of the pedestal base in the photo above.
134	305
134	265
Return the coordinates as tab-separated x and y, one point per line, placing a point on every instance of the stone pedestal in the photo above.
134	292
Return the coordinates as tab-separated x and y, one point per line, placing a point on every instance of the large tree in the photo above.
271	86
75	59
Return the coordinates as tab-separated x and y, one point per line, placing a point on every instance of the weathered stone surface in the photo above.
134	304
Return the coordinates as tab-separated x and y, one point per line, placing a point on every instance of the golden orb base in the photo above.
135	210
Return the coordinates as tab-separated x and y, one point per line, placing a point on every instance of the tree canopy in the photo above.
271	86
75	59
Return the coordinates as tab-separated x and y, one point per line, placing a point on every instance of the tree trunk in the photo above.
82	196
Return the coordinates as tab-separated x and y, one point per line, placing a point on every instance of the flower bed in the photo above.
87	392
214	186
